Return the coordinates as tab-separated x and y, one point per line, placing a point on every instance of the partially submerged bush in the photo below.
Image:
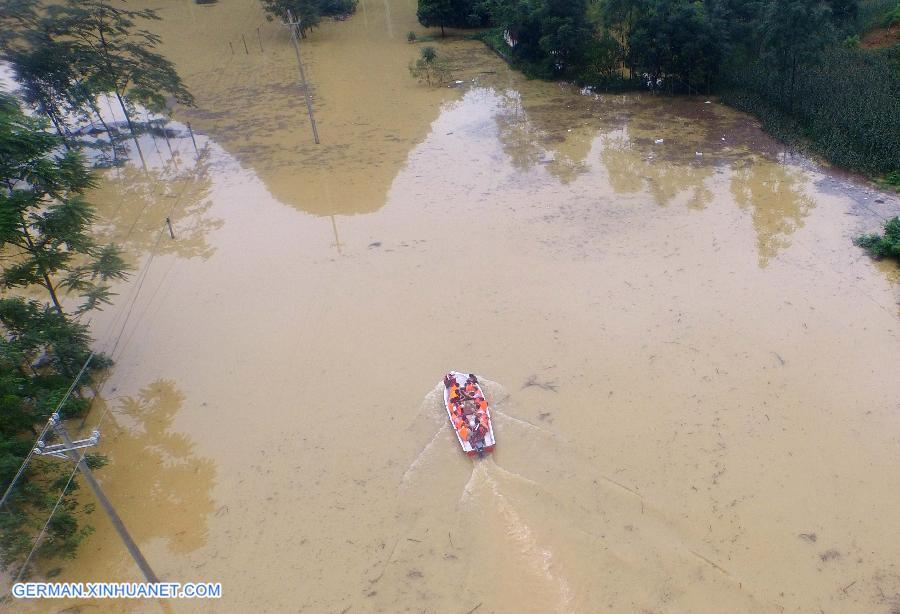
429	68
887	246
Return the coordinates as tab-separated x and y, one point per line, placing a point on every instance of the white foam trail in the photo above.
520	422
470	485
414	465
541	559
433	404
513	475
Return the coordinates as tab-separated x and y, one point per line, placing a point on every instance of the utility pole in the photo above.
337	240
67	449
295	38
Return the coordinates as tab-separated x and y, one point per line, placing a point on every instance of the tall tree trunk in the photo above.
112	142
96	110
119	97
52	291
59	130
131	127
47	282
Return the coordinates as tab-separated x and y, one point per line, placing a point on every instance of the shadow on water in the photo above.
687	155
536	527
147	459
774	195
133	203
531	138
635	166
370	112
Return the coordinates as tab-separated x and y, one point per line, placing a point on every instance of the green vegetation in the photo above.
794	63
67	55
891	17
892	180
308	12
886	246
45	237
873	13
846	107
429	68
451	14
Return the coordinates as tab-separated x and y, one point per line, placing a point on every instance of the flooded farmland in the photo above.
693	371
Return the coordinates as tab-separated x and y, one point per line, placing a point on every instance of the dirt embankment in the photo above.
880	38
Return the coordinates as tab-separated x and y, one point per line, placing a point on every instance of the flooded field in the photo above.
693	370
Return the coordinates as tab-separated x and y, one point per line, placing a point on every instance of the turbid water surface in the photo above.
693	370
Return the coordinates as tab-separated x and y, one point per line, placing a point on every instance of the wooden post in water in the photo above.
165	132
196	151
259	38
169	224
230	46
295	36
247	51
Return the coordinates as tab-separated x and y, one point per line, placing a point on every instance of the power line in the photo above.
54	418
50	421
79	462
46	524
142	276
55	415
78	459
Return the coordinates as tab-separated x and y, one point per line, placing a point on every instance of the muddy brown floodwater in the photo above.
694	372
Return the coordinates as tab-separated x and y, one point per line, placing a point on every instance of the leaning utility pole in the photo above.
67	450
295	27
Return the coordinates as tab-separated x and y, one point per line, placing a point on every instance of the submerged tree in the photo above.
436	13
429	68
883	246
308	13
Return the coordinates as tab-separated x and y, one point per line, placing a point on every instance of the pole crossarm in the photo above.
60	450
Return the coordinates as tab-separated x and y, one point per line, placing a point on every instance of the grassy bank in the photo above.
845	110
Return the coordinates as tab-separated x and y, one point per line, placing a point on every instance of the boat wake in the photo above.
536	527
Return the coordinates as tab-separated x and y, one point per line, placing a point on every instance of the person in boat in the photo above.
458	422
476	433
